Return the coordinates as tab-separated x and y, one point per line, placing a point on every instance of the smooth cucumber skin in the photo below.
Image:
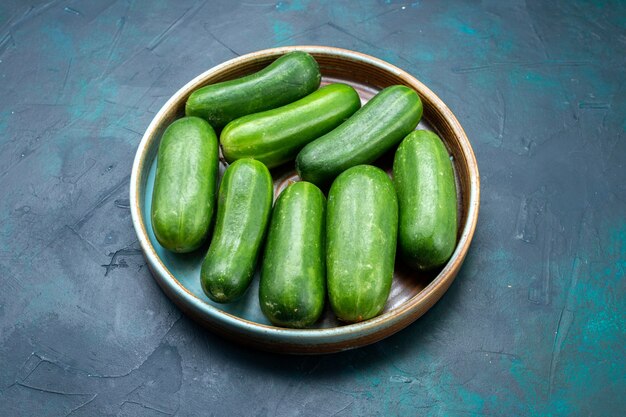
289	78
276	136
361	231
293	284
424	182
244	206
183	199
374	129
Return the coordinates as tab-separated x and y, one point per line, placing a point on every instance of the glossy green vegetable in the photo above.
293	285
275	136
361	235
183	199
374	129
424	181
243	211
289	78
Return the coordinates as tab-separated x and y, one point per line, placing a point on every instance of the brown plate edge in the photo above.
308	341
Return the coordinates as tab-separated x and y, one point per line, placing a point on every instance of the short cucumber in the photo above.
374	129
424	181
183	199
243	210
293	284
276	136
361	231
289	78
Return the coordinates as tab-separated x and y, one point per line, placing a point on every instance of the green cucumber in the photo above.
293	284
243	210
276	136
289	78
361	233
424	181
183	199
374	129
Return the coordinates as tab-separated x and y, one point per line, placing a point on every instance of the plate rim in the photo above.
304	340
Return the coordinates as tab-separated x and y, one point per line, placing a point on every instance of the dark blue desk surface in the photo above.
535	323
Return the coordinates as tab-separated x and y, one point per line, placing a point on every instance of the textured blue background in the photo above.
535	323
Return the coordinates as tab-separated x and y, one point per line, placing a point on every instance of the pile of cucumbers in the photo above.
310	245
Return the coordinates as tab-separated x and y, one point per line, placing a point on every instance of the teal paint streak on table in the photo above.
534	323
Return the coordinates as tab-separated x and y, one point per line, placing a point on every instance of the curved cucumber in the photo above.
276	136
374	129
424	181
183	199
289	78
361	235
243	211
293	285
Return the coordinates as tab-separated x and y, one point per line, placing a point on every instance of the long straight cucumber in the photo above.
289	78
362	224
374	129
275	136
183	199
424	181
243	211
293	285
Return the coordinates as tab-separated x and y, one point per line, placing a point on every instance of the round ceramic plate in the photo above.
412	292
